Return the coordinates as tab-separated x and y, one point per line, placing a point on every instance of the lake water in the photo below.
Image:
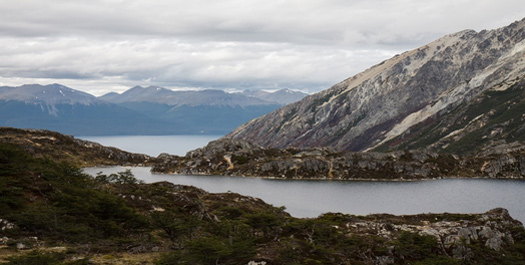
311	198
154	145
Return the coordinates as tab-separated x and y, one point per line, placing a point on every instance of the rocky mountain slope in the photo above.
495	117
409	92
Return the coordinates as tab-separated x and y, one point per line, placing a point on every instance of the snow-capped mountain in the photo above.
47	94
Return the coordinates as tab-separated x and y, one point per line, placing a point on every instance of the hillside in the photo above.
65	148
425	89
51	213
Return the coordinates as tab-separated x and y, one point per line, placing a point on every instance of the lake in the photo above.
311	198
154	145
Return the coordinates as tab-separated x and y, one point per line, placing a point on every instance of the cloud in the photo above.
104	45
181	64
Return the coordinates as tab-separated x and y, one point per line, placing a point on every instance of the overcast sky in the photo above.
111	45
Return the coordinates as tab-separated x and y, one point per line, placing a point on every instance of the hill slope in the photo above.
384	102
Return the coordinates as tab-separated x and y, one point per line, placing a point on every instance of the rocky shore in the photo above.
66	148
241	158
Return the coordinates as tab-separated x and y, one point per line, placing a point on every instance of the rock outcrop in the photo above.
455	233
241	158
407	92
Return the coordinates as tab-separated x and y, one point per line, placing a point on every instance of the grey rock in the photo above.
387	100
21	246
249	159
384	260
257	263
494	243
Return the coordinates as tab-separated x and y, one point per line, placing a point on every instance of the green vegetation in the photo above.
58	147
492	116
56	201
506	110
36	257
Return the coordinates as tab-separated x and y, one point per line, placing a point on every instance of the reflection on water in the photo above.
311	198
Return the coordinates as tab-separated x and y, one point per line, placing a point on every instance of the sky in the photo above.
101	46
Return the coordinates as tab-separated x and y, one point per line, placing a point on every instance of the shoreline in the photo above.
309	179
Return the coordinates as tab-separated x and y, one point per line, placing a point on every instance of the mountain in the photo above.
283	96
393	104
205	111
162	95
211	97
138	93
140	110
48	94
60	108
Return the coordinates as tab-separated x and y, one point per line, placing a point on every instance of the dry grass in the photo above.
113	259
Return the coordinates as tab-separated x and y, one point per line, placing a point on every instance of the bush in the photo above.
58	201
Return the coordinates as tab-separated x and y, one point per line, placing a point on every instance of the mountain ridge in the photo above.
149	110
156	94
384	101
48	94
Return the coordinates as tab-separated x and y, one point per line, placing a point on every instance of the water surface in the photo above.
311	198
154	145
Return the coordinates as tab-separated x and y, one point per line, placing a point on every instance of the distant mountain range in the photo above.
161	95
139	110
461	92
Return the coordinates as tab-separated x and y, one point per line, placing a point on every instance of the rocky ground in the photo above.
66	148
241	158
